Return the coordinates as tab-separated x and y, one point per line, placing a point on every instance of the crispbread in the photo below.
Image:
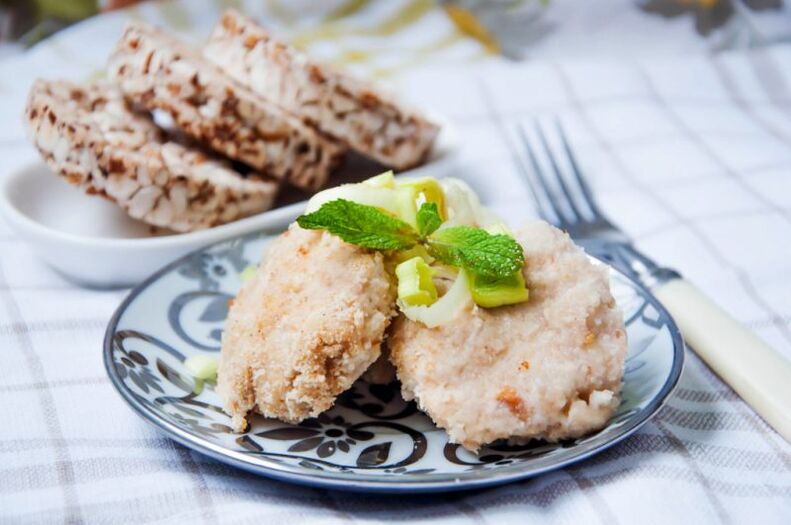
161	73
346	108
91	136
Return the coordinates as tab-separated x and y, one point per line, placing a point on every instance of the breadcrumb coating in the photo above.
550	368
304	328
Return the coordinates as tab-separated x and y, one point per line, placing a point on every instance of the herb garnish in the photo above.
474	249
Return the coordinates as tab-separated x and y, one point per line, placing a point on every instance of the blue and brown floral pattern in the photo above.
132	365
211	268
323	434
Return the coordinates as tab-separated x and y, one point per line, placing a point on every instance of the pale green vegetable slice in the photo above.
383	180
491	292
202	366
415	284
382	198
443	271
248	273
417	250
458	297
406	203
401	197
427	189
397	201
463	206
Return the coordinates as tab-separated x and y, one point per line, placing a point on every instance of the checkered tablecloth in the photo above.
691	155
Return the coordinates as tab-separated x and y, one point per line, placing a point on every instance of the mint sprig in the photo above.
477	250
362	225
474	249
428	219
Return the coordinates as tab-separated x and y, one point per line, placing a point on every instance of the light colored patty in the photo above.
344	107
161	73
304	328
91	136
549	368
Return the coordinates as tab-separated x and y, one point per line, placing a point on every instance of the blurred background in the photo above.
515	28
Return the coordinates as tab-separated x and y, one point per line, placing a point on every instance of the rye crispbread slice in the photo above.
161	73
92	137
351	110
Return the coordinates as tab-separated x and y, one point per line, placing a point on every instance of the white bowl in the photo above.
92	242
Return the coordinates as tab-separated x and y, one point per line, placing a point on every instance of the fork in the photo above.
756	371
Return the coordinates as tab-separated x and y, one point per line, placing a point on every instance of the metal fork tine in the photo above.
534	192
586	191
547	214
577	216
542	182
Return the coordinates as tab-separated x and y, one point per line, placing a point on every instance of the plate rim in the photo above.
362	482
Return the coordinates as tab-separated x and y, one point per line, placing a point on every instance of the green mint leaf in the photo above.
477	250
428	219
362	225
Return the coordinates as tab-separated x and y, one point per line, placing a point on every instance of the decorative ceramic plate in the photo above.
371	440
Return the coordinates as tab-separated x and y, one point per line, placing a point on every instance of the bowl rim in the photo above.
11	211
444	152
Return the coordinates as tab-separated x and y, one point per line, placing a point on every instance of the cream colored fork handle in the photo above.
756	371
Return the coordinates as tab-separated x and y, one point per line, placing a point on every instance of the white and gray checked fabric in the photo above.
690	155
